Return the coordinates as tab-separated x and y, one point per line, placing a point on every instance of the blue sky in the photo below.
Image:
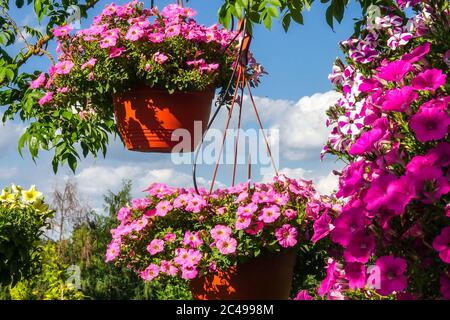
292	98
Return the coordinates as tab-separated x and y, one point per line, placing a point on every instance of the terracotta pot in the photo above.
146	117
267	277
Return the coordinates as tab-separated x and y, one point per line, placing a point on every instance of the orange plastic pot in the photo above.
147	117
267	277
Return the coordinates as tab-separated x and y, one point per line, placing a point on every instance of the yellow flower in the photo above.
6	196
40	206
31	195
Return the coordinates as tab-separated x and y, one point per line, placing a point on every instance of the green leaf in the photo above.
21	143
297	16
329	16
268	21
72	160
273	12
276	3
286	22
19	3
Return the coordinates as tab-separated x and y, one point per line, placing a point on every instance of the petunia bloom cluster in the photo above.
129	45
392	124
174	232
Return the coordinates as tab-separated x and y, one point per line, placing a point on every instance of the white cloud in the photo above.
8	173
327	184
9	136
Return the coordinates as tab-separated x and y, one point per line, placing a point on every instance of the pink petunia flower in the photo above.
124	214
290	214
163	208
430	80
188	272
303	295
48	96
392	276
248	210
429	124
160	58
220	232
116	52
108	42
38	82
242	222
417	54
170	237
168	268
155	246
156	37
187	257
112	251
195	204
134	33
269	214
286	236
150	273
89	64
227	245
192	239
442	244
64	67
62	31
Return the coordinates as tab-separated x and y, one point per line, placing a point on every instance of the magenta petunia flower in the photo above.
286	236
392	278
441	154
417	54
395	71
226	246
430	80
400	192
322	227
360	247
442	244
303	295
431	184
399	99
155	246
269	214
346	225
355	273
429	124
352	178
290	214
377	195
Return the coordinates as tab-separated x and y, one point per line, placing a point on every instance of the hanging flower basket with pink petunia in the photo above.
154	71
227	243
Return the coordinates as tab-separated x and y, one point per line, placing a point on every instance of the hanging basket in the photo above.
268	277
147	117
